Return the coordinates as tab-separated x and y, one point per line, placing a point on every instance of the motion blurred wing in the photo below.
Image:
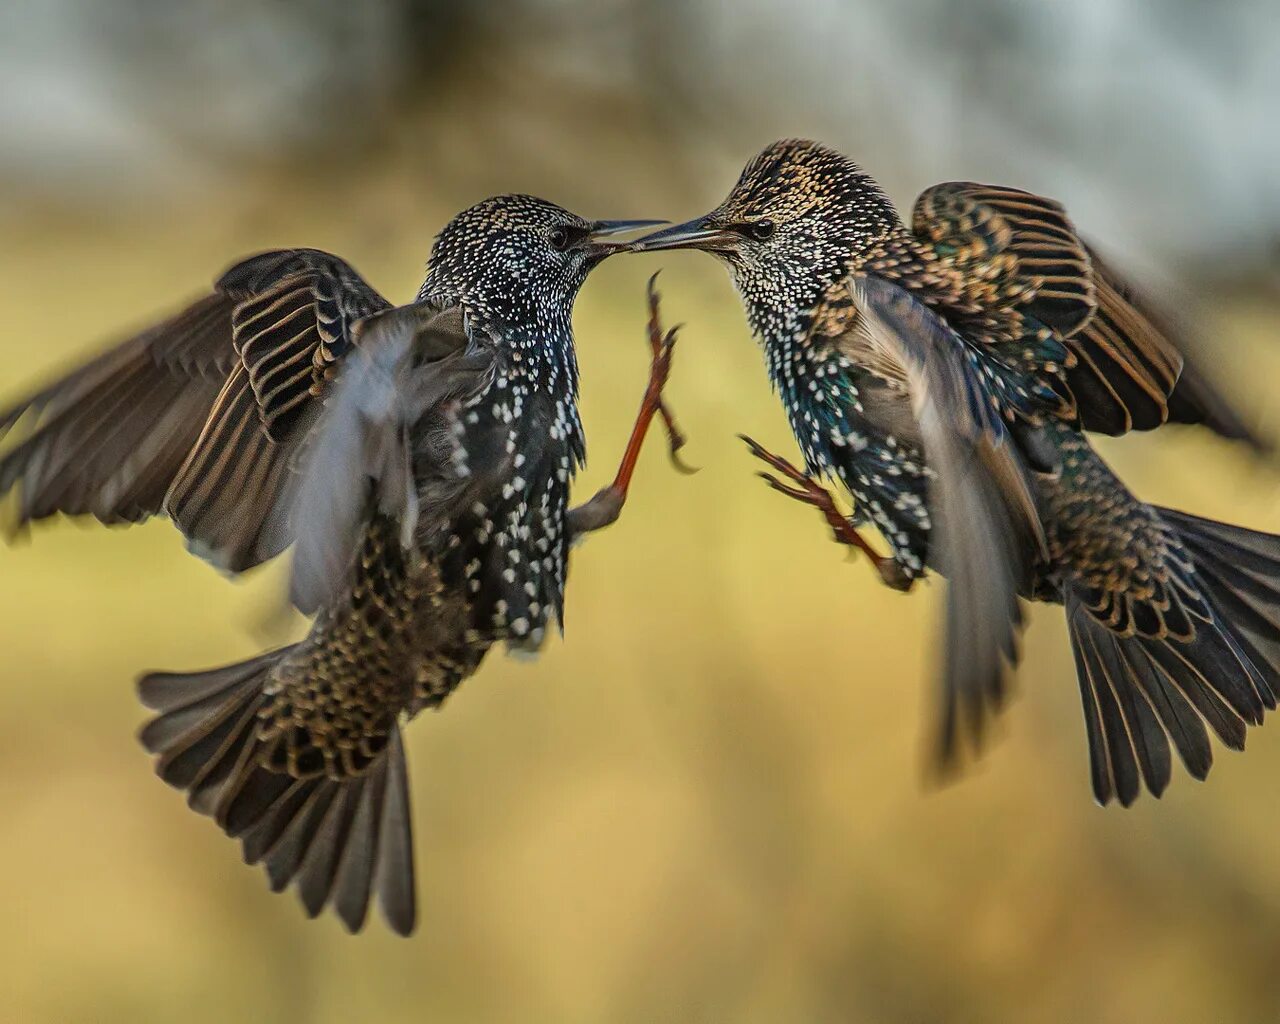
386	443
988	533
108	438
1196	397
202	417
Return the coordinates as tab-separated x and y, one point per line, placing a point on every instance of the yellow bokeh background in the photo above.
705	803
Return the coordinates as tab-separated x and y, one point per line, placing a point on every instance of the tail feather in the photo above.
340	840
1177	714
1241	570
283	859
1133	707
1113	764
1141	692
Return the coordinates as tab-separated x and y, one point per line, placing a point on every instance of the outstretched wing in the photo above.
292	326
201	417
107	439
988	533
1196	398
1021	259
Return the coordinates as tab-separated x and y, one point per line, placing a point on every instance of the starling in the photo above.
946	375
418	458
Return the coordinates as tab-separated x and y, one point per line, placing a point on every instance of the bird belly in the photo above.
872	448
396	642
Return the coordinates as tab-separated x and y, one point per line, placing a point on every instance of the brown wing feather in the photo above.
1125	367
387	438
107	438
292	326
978	226
1196	397
201	417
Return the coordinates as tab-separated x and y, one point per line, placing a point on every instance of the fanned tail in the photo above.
1141	691
340	840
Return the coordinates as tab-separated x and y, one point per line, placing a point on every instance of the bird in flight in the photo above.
417	459
947	374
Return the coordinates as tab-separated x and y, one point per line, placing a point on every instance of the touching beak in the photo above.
699	233
597	245
608	228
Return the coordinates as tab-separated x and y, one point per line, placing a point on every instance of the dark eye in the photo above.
559	239
762	230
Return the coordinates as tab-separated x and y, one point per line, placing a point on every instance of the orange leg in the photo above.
810	492
605	507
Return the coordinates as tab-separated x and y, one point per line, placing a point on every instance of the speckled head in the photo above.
518	259
800	216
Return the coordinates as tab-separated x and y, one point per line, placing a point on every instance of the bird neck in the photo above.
816	391
779	305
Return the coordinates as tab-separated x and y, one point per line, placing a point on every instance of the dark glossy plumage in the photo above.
418	458
945	374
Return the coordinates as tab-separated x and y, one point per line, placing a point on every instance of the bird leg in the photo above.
605	507
660	346
810	492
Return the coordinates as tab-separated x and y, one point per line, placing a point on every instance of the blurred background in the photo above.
706	803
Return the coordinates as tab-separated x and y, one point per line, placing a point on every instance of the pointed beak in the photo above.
599	248
608	228
699	233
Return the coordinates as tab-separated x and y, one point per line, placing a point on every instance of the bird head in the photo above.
797	219
519	259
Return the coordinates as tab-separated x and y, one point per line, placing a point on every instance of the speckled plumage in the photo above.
527	416
417	458
945	374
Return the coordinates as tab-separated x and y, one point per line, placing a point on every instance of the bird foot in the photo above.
662	345
809	492
606	505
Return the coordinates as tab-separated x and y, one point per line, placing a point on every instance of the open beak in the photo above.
699	233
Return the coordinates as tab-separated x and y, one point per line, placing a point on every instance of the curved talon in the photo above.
660	370
651	290
605	507
778	485
809	492
680	465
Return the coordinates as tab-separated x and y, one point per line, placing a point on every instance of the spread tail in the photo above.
1215	664
338	839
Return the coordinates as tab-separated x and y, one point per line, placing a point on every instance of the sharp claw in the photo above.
782	488
662	347
681	466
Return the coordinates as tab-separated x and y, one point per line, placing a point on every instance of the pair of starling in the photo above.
418	460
